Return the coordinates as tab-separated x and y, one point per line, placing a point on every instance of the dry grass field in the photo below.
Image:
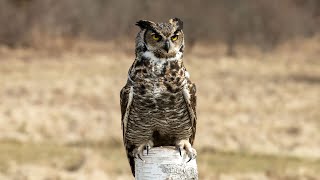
258	113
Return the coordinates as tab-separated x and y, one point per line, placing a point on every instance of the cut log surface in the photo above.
165	163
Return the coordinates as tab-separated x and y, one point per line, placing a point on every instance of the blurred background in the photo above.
256	64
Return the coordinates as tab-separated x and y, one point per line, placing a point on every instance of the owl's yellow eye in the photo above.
174	37
156	37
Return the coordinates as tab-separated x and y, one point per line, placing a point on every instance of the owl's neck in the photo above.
148	66
159	65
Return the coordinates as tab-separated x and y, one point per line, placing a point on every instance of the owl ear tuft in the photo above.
144	24
178	22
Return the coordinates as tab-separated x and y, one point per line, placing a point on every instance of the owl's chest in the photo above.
153	89
158	68
157	78
154	99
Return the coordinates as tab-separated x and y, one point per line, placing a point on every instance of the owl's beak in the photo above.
167	45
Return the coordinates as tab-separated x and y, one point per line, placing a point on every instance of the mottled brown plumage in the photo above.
158	102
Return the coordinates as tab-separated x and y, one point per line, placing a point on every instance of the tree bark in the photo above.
165	163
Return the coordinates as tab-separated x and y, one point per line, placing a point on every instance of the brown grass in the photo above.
258	115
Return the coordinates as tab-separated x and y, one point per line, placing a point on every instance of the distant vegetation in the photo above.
264	23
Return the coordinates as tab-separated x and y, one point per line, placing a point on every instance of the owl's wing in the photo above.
126	95
189	94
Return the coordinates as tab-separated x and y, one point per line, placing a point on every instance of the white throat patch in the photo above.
157	63
152	57
157	67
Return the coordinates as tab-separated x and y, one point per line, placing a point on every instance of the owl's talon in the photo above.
185	144
139	157
148	148
138	151
180	151
192	153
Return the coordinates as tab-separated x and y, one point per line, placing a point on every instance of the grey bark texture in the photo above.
165	163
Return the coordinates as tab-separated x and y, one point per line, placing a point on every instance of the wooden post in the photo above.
165	163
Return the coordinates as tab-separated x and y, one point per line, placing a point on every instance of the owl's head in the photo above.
165	40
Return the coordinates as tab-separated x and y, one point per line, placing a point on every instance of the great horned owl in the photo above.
158	102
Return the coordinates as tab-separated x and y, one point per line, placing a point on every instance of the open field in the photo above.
105	161
258	114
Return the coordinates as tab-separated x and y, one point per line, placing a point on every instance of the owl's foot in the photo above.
185	144
138	152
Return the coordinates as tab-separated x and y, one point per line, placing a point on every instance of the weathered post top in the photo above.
165	163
